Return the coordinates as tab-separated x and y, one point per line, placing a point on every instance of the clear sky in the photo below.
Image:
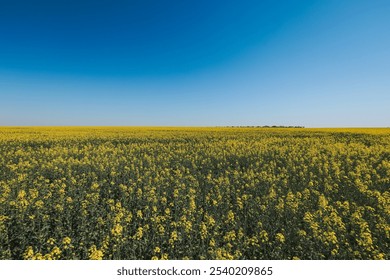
322	63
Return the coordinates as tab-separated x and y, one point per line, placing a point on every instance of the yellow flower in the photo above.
222	254
33	193
29	253
38	256
174	235
95	186
51	241
210	220
139	234
21	194
203	230
56	252
302	233
161	229
95	254
280	237
39	204
322	201
66	240
379	256
230	236
264	236
117	230
230	216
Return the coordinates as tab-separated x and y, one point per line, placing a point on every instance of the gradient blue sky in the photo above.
196	63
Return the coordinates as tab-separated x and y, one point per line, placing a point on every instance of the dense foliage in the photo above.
194	193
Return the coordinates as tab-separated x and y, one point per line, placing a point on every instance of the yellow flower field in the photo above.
194	193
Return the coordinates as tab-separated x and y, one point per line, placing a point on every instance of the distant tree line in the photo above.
266	126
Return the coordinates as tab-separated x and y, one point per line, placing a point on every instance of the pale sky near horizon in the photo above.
195	63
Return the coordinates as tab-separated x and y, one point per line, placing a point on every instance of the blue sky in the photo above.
195	63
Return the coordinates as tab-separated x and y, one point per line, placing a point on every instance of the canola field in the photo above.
194	193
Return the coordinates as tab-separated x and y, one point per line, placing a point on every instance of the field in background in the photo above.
194	193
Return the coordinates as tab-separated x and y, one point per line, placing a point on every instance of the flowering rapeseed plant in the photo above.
194	193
